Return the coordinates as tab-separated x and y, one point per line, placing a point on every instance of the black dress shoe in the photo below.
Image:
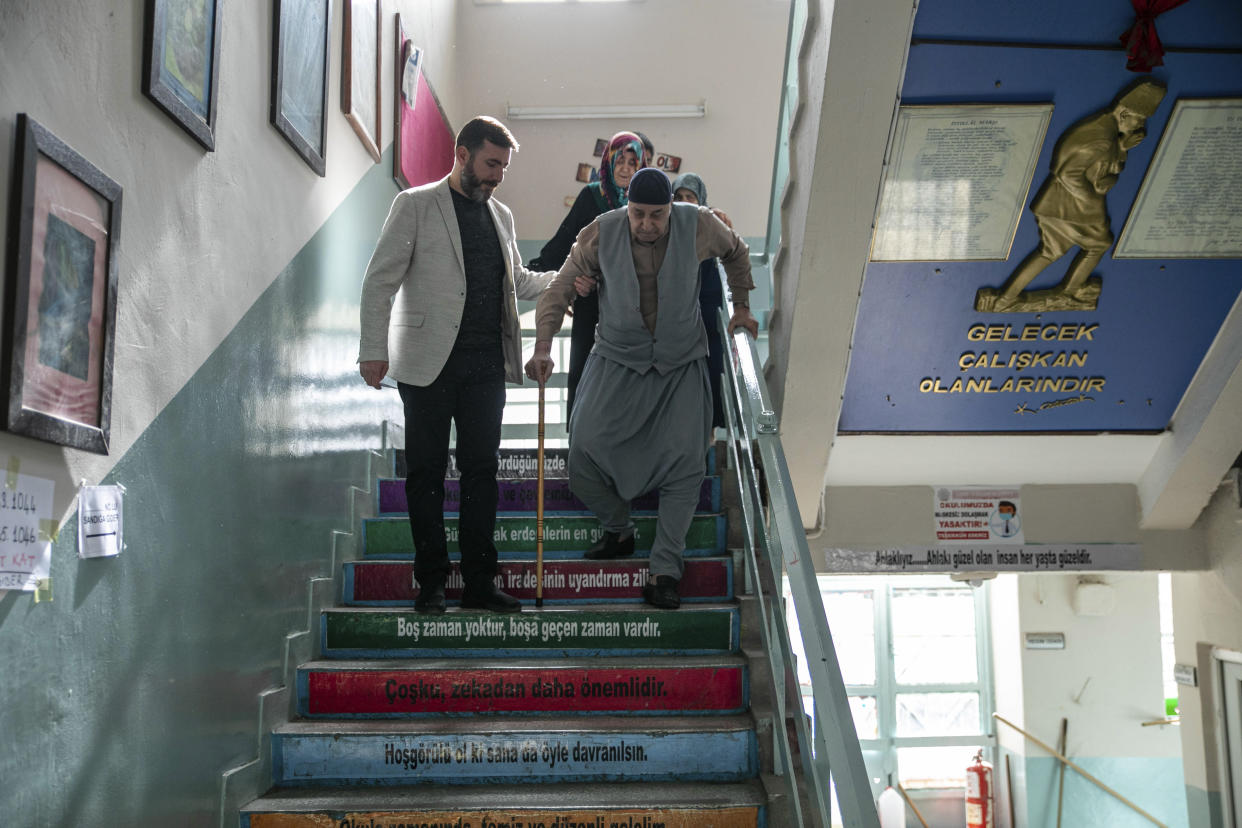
662	593
490	598
430	600
611	545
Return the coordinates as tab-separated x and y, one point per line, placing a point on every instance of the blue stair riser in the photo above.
521	496
431	691
382	583
481	758
472	634
565	538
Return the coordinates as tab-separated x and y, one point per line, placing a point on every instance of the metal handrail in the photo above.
775	547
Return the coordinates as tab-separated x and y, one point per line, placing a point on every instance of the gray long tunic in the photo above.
644	403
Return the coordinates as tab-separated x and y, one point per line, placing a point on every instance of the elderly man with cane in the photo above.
643	415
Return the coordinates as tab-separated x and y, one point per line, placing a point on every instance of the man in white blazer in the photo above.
439	315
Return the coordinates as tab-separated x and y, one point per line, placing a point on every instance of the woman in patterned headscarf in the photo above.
623	156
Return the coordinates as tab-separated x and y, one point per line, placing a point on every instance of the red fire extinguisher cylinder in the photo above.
979	797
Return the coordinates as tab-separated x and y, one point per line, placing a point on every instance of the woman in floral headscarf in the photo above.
623	156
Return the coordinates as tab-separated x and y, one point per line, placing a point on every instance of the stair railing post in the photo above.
539	507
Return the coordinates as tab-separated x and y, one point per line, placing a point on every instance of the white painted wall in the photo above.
1207	612
202	234
728	53
1107	681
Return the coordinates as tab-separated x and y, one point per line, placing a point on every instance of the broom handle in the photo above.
539	511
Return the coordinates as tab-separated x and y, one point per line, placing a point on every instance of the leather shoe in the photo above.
430	600
662	593
491	599
611	545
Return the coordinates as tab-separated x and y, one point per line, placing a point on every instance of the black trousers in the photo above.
470	391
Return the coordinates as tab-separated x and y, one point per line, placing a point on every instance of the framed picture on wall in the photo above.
181	63
61	292
300	47
360	80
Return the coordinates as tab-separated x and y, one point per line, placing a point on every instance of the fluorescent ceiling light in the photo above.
571	113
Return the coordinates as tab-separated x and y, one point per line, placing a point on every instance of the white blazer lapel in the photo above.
444	200
503	235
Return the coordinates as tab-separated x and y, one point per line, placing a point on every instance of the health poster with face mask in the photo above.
982	514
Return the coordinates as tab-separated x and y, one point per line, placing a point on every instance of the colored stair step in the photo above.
530	750
389	583
521	496
522	463
564	536
577	805
638	630
377	689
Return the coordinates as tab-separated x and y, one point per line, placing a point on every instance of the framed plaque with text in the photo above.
1190	203
957	180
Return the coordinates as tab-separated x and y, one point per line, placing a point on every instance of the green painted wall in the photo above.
127	697
1154	784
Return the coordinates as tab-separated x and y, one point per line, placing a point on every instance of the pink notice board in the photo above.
423	140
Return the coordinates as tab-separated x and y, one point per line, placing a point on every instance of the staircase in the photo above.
594	710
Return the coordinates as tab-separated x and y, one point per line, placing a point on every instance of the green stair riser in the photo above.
522	496
370	634
564	537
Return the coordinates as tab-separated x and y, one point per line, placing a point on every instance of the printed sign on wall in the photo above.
978	514
25	542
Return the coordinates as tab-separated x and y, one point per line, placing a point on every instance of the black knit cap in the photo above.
650	186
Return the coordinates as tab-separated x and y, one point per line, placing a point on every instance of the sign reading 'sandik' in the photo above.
978	514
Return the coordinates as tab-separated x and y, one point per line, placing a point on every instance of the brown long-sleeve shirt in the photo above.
712	239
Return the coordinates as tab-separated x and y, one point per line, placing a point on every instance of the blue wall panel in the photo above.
1199	23
1155	320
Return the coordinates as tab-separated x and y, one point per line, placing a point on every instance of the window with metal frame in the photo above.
915	654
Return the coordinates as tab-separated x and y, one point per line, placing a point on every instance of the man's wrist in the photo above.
543	346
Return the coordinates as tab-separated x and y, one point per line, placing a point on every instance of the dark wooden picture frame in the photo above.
181	65
361	66
60	295
301	39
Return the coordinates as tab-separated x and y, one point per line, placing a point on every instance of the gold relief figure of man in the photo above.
1070	208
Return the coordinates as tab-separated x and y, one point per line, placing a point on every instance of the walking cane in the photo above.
539	511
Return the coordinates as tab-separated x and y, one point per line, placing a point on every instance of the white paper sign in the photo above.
956	182
1190	204
1045	641
25	551
99	521
978	514
1087	557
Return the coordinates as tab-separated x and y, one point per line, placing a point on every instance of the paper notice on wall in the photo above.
99	521
25	550
982	514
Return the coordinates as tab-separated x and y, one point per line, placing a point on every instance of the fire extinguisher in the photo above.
979	798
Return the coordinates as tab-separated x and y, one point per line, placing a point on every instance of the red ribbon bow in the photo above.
1143	47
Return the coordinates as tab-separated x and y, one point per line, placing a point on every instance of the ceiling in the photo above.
1146	449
